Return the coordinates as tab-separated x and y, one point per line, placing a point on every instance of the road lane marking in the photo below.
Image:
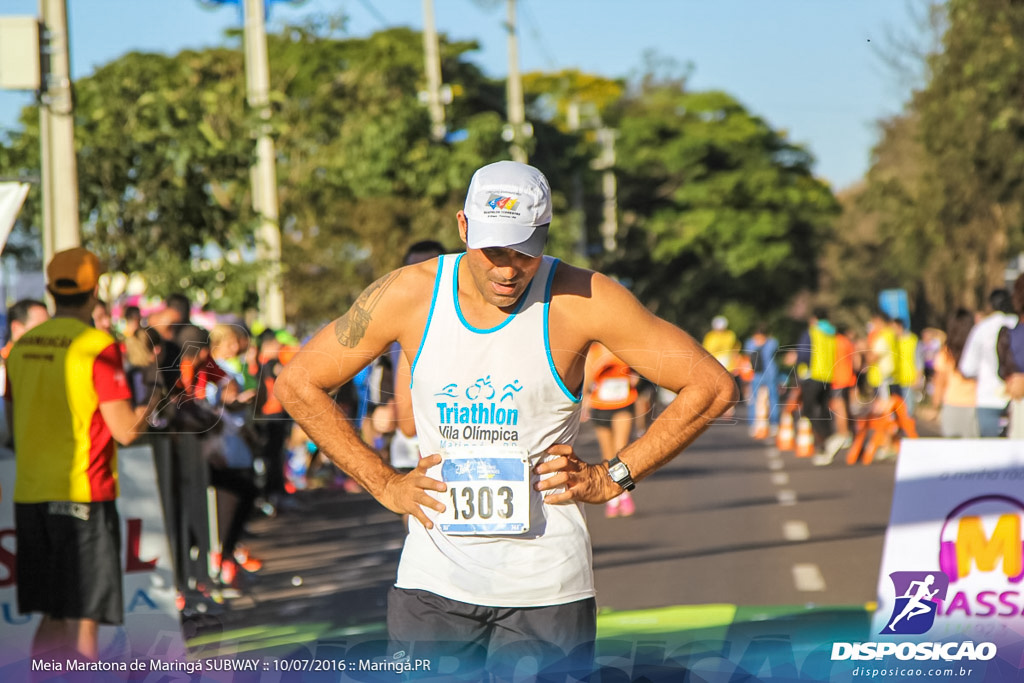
795	530
808	578
780	478
786	497
775	465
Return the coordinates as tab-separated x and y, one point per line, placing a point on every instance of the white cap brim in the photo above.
524	239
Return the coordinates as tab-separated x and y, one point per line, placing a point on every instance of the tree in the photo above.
720	211
946	184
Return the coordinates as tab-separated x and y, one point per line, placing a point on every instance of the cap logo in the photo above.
498	201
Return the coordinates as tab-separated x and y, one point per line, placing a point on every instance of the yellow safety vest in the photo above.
906	360
823	354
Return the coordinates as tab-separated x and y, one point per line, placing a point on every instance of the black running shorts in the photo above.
69	560
557	639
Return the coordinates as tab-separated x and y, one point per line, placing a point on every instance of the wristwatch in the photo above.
619	472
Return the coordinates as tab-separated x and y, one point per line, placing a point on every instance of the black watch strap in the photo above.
620	474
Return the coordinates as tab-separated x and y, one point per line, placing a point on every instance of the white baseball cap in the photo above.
508	205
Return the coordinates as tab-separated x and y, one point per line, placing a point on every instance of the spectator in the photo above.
881	358
67	525
22	316
954	395
980	362
101	319
132	321
909	365
231	449
272	422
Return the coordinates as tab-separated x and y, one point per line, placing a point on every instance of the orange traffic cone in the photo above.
804	439
760	430
784	440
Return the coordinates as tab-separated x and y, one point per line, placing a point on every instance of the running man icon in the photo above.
915	601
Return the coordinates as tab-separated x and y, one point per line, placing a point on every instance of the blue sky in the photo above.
812	68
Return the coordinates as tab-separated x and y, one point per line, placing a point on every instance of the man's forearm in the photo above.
679	425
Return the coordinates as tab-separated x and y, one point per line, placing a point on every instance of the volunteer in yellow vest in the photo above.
882	357
722	343
908	363
816	358
68	402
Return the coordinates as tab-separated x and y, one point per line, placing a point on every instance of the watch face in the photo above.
618	471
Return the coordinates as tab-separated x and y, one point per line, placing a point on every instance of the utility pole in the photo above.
264	173
609	187
432	56
57	134
578	210
517	130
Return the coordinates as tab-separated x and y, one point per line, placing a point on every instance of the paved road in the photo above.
731	521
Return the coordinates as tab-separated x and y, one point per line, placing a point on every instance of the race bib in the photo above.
613	389
488	491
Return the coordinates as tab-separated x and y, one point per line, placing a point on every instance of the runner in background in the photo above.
404	449
816	359
611	392
762	349
844	384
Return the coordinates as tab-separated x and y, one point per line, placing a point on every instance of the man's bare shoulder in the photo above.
388	303
575	286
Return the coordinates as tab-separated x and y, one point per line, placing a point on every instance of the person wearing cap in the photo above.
68	402
497	562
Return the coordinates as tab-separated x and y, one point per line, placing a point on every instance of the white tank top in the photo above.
485	389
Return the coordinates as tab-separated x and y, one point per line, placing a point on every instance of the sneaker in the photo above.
822	459
246	561
626	506
834	444
228	572
611	508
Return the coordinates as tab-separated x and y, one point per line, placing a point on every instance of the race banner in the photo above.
152	626
949	589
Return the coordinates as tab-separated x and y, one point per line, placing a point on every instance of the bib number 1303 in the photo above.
488	492
468	504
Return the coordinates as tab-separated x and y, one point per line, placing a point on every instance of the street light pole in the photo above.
57	135
264	172
516	108
432	58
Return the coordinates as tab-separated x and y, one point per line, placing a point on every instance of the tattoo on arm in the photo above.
351	327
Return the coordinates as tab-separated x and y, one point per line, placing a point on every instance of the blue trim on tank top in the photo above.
547	338
458	308
430	316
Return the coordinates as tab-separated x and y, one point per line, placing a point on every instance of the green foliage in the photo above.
718	207
719	211
946	187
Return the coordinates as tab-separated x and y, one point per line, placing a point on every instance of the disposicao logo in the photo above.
498	201
917	598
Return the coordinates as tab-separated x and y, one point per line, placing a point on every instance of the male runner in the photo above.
497	563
